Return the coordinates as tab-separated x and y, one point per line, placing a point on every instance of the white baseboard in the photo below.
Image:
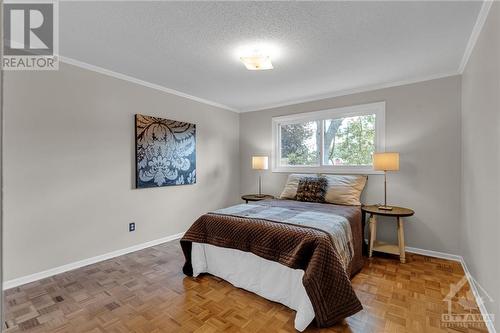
472	282
85	262
435	254
477	296
430	253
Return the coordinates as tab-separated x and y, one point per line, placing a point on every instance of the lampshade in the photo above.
260	163
386	161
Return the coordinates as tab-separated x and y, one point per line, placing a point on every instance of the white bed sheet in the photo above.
266	278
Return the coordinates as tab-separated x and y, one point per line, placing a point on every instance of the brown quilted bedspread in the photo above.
326	282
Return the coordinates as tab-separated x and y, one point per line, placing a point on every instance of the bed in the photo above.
300	254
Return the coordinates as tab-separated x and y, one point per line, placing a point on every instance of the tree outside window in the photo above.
347	141
340	140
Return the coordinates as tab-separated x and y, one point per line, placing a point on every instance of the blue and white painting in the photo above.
165	152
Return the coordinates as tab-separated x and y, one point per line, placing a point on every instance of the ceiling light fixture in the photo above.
257	62
257	55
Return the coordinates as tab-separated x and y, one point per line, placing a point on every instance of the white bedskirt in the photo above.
266	278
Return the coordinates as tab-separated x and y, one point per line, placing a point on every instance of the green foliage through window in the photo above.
353	142
348	141
299	144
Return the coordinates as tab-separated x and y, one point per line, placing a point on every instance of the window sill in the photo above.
330	170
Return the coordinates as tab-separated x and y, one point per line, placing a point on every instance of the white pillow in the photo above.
292	183
345	189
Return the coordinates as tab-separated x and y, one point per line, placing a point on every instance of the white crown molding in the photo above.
128	78
85	262
352	91
476	31
481	19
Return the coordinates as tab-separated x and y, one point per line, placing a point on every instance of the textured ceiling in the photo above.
324	47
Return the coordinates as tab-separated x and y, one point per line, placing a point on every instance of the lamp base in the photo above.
385	207
260	195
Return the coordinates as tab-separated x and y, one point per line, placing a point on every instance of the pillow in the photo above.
312	189
290	190
345	189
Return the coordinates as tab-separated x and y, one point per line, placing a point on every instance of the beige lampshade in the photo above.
386	161
260	163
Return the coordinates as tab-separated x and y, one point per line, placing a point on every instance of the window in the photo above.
338	140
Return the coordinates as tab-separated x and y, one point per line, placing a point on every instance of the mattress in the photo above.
265	278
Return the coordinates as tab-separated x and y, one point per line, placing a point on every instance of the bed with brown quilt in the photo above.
301	254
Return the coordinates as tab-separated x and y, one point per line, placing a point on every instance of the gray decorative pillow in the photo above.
312	189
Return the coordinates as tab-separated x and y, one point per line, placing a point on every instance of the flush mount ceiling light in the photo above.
257	56
257	62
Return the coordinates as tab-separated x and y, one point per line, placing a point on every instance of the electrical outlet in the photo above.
131	227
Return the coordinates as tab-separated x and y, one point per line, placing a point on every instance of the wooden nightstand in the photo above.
256	197
398	213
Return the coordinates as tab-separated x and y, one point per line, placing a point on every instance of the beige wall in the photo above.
423	124
481	160
69	152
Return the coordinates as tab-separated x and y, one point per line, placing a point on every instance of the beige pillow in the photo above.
345	189
290	190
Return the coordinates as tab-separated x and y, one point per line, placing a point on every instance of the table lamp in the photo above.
385	162
260	163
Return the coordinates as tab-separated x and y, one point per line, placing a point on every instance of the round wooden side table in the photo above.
256	197
374	245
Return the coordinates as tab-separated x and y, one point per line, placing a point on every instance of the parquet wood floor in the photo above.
146	292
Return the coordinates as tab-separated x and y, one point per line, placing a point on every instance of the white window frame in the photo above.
350	111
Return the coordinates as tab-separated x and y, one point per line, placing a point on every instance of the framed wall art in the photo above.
165	152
